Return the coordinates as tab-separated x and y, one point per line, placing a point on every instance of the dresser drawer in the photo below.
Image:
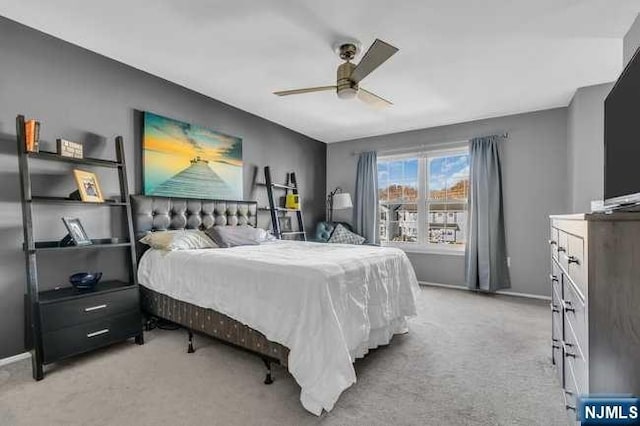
575	363
570	394
553	243
90	335
575	262
575	315
58	315
563	242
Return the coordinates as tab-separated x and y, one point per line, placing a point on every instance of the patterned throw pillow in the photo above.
342	235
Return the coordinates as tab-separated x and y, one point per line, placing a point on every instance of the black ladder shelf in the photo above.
274	209
32	249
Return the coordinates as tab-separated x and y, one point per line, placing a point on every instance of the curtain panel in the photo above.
365	212
486	251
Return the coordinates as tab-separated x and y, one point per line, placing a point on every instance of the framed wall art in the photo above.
184	160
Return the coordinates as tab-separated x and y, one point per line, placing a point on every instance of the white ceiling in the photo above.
458	61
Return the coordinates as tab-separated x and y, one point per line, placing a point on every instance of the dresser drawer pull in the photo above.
568	307
570	407
98	333
553	243
554	278
569	354
561	249
554	308
573	259
94	308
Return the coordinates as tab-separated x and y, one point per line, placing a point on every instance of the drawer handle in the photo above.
97	333
561	249
569	354
568	307
94	308
570	407
554	308
554	278
573	259
553	243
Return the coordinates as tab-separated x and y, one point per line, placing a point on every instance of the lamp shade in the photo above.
342	201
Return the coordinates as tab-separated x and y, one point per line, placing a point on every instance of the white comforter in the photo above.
328	303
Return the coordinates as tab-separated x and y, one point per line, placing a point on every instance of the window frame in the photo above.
423	245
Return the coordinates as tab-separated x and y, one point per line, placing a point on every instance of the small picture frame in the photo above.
77	235
88	186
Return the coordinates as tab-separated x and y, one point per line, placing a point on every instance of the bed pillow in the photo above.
341	235
190	239
233	236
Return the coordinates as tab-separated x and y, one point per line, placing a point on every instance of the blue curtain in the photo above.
365	211
486	252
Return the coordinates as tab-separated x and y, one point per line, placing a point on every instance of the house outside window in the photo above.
423	200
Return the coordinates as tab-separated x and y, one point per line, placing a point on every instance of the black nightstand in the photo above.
74	321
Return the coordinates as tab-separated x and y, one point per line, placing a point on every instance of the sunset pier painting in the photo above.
183	160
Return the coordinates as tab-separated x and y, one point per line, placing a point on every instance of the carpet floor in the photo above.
469	359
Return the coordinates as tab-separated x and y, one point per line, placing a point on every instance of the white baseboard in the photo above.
15	358
501	292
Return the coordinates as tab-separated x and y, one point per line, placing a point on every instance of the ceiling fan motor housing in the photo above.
345	87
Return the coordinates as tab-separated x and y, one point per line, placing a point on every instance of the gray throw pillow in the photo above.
232	236
342	235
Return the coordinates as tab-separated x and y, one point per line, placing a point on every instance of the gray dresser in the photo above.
595	282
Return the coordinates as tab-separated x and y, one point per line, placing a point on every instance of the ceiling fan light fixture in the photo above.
347	93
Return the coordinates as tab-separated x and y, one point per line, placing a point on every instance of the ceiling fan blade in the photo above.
372	99
301	91
377	54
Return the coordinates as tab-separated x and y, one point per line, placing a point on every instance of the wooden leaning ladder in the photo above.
275	209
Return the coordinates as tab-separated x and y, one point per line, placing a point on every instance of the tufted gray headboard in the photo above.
152	213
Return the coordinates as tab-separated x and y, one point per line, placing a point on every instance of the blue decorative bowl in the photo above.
85	280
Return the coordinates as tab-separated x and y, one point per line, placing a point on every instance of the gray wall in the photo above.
632	41
534	162
585	146
83	96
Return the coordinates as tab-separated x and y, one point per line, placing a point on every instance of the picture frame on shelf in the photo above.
88	186
76	234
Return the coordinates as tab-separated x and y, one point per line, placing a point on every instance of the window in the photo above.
423	199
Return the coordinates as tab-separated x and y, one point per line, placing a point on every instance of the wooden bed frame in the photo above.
151	213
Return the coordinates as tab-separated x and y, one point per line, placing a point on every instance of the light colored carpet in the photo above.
469	360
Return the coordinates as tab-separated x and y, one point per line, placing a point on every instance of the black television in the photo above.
622	139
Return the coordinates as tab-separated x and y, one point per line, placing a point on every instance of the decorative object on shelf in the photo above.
338	200
69	149
77	235
292	201
88	187
184	160
32	135
285	224
85	280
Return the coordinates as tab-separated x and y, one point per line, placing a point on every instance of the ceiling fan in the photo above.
350	75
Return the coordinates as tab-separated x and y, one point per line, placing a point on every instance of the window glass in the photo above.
438	215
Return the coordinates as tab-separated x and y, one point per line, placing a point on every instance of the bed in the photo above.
312	307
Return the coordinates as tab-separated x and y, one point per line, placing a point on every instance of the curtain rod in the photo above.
414	148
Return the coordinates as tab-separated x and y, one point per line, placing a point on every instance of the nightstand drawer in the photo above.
58	315
91	335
